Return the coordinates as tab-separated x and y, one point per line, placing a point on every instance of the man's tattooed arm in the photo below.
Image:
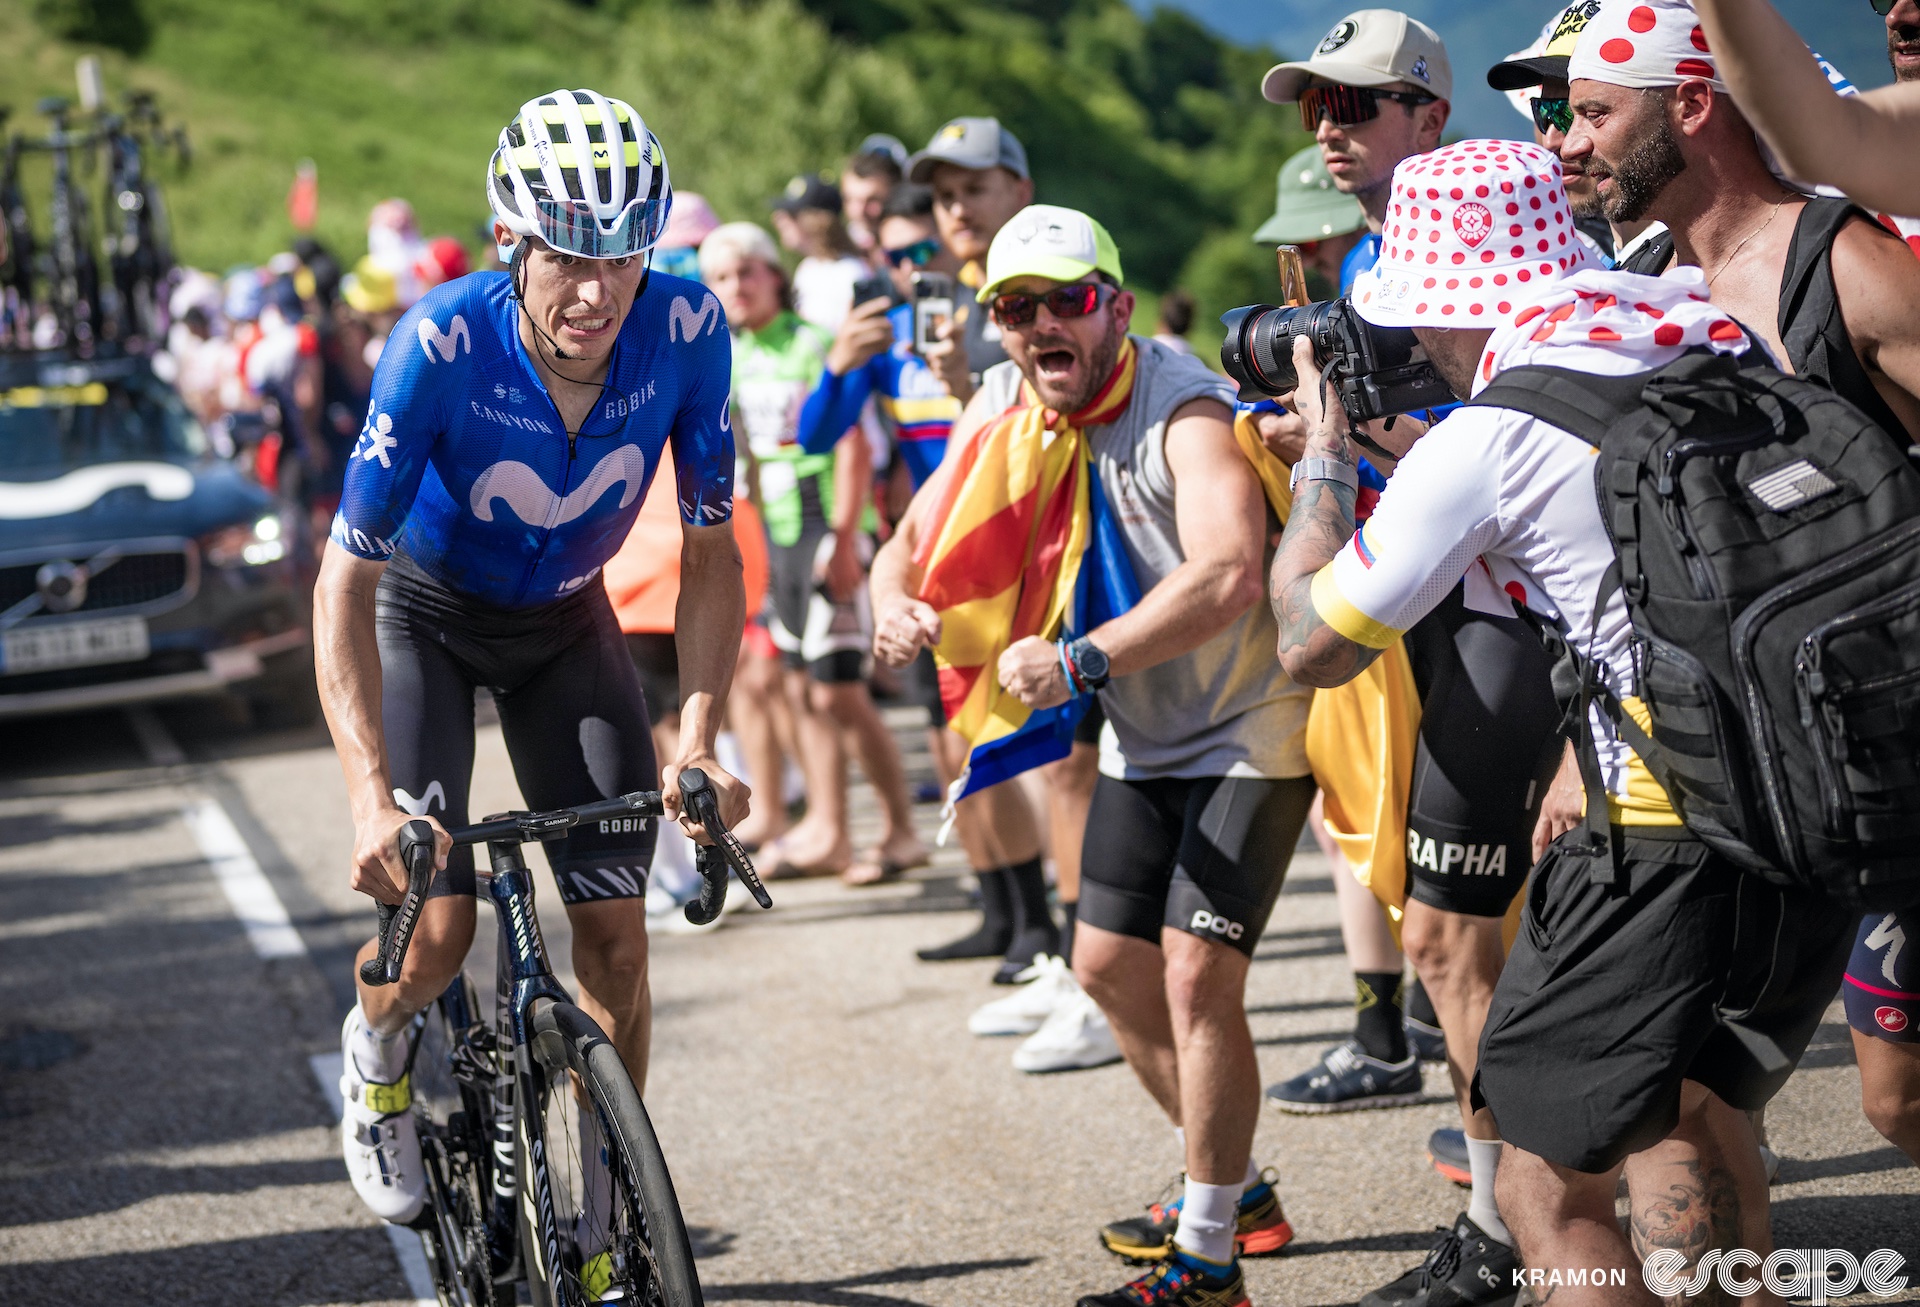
1318	527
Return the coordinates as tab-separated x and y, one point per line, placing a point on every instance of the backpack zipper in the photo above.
1705	583
1816	714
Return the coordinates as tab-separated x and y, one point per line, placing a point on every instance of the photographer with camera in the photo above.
1656	990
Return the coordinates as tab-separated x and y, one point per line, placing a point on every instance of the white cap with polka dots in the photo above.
1471	230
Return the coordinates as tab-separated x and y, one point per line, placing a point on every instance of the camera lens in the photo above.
1258	350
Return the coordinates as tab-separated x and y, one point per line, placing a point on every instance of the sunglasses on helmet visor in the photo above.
1348	106
918	254
1072	301
1552	114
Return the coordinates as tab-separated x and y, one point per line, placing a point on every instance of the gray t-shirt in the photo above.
1226	708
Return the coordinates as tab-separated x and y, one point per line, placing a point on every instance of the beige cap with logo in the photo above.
1369	47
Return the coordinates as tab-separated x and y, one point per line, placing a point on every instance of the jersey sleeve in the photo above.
1437	515
834	406
702	437
405	417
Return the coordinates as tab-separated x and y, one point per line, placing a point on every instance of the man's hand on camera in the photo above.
1327	425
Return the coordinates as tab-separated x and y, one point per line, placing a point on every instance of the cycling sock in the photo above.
1483	1157
1068	911
1207	1217
1033	930
1253	1175
1378	1023
382	1061
996	926
1420	1007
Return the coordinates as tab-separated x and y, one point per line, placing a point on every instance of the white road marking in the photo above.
406	1244
262	915
156	741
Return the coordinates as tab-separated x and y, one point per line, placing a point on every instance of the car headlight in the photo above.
246	544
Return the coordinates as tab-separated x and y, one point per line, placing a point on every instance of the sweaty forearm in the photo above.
1190	606
708	619
347	663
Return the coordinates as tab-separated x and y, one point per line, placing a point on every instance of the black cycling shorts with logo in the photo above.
570	708
1685	969
1489	746
1205	855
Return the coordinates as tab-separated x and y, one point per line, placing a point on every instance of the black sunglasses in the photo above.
1076	300
918	254
1883	7
1349	106
1552	113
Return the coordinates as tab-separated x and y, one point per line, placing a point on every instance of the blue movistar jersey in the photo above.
465	465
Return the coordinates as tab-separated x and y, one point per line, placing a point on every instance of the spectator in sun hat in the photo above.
1311	212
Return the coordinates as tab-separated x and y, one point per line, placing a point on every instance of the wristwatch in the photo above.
1324	469
1090	666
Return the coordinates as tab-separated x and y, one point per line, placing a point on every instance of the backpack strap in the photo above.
1651	259
1811	328
1578	402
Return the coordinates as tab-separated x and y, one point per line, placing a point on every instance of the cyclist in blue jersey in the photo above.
516	421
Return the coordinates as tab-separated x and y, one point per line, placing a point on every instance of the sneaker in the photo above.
1347	1080
1464	1268
1182	1280
1426	1042
378	1137
1043	987
1076	1036
1260	1229
1447	1150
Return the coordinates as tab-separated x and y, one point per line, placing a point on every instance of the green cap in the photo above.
1308	208
1045	240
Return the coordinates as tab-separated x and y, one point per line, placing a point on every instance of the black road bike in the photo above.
16	269
541	1164
74	271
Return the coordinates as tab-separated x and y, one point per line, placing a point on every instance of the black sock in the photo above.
1378	1023
1069	912
1033	930
1420	1007
995	931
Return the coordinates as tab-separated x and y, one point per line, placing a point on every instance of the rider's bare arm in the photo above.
707	623
347	663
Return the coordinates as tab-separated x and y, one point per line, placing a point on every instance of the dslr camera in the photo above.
1378	372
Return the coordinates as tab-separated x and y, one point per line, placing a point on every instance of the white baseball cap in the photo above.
1369	47
1046	240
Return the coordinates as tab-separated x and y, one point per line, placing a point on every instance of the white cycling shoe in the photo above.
1074	1038
378	1136
1043	987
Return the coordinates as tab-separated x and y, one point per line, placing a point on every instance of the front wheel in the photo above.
617	1234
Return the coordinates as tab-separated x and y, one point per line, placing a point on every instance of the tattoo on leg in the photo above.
1691	1216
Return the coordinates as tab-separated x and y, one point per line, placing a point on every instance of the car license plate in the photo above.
73	644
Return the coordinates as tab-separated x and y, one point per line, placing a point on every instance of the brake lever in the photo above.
713	860
397	923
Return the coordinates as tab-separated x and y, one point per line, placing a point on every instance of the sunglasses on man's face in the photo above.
1883	7
1552	114
1073	301
1349	106
919	254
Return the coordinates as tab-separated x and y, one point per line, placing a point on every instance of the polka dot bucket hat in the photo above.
1471	230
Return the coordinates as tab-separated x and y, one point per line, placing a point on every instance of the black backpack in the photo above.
1767	538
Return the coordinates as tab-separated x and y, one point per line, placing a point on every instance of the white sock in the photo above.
1483	1156
382	1061
1253	1175
1180	1138
1206	1220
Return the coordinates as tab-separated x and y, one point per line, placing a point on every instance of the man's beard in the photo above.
1099	366
1641	174
1904	35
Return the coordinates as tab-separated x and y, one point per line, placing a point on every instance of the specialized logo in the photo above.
534	503
1444	856
1207	923
1342	33
685	323
454	341
1889	936
420	806
1890	1019
1473	222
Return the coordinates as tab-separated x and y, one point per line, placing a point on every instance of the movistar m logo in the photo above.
453	341
535	503
685	323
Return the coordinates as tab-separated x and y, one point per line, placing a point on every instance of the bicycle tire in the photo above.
650	1256
454	1149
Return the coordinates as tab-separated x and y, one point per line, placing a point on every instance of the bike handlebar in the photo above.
697	796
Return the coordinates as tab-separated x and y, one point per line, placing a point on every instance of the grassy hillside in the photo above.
1150	122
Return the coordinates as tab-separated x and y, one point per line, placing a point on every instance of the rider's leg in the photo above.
440	942
610	962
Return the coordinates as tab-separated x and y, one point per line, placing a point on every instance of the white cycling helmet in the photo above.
582	172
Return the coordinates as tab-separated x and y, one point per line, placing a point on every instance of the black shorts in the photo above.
831	642
1087	729
656	657
1204	855
922	678
1685	969
570	707
1489	746
1882	987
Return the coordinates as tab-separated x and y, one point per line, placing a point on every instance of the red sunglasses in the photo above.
1349	106
1072	301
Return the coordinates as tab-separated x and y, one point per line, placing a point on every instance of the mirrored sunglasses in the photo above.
1072	301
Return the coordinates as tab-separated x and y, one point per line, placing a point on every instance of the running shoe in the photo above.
1182	1280
1044	986
1447	1150
1427	1042
1466	1267
1347	1080
1260	1229
378	1136
1074	1038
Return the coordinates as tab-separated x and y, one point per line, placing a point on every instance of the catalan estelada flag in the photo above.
1022	544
